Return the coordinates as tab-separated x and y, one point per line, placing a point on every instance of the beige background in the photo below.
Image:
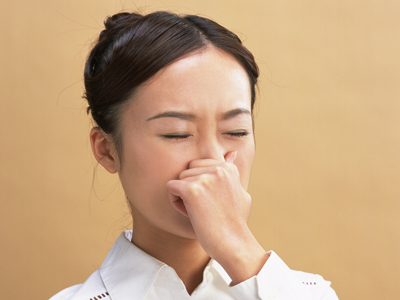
326	180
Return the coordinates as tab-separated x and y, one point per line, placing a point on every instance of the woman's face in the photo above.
196	108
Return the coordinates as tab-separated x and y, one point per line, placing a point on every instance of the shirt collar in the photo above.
220	270
129	271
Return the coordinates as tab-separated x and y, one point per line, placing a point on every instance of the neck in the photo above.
185	256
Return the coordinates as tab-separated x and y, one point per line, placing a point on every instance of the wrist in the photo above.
242	258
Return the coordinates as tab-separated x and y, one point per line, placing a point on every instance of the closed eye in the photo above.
238	133
176	136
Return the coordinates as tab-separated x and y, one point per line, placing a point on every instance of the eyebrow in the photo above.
190	117
174	114
234	112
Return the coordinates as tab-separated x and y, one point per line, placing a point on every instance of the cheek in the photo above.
170	162
152	166
145	172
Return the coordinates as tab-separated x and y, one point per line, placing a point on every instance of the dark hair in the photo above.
132	48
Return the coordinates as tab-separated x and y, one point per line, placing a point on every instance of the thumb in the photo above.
231	156
174	195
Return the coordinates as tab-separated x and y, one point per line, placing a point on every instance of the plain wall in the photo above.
326	178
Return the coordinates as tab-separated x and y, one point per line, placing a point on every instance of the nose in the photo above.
211	148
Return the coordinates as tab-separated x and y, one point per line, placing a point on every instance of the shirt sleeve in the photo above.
276	281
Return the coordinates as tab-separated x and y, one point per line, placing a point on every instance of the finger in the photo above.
201	163
198	171
231	157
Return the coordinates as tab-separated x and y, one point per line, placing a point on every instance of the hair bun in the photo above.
111	21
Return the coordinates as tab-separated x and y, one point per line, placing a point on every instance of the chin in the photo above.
184	230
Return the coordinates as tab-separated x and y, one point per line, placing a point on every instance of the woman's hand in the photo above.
209	192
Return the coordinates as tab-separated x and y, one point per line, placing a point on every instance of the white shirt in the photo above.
128	273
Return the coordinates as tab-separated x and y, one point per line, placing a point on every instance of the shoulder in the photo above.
92	289
67	293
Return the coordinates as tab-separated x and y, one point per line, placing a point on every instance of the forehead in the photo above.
205	82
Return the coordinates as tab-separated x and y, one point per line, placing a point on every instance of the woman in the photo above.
172	98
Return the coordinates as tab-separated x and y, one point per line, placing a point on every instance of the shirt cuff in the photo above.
274	281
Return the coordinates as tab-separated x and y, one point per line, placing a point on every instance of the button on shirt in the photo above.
128	273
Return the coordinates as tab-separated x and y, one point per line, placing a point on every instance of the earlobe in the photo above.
103	150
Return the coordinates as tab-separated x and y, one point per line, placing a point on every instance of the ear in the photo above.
103	150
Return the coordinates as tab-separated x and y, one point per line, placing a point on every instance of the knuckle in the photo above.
248	197
233	168
220	171
194	190
247	200
230	167
204	179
